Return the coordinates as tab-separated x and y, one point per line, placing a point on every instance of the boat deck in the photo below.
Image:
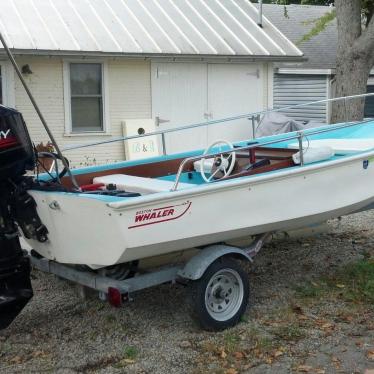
162	171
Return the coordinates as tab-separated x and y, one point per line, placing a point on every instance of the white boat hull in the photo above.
87	231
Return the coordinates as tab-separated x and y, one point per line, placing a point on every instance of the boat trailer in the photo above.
223	292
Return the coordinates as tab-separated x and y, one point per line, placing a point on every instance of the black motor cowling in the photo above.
16	157
16	150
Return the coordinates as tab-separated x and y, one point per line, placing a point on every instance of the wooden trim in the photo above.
150	170
280	158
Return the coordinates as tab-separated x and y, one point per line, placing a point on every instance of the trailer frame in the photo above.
116	292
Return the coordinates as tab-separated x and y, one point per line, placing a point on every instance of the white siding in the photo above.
129	97
293	89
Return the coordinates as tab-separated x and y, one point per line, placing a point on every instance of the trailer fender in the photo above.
196	266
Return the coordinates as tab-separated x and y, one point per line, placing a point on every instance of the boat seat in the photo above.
339	146
139	184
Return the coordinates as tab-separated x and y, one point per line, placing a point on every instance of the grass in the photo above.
110	318
359	279
130	353
258	339
231	341
289	332
129	356
93	335
5	348
311	290
264	343
353	283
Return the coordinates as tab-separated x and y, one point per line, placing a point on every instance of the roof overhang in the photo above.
306	71
160	56
143	29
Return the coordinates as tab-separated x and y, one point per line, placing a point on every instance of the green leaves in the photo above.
320	25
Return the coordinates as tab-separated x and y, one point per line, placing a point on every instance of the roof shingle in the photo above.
321	49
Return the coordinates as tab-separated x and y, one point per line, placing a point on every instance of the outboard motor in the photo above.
17	208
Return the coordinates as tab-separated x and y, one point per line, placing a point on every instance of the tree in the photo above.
355	55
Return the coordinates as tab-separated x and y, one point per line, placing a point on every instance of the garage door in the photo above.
187	93
293	89
233	90
179	98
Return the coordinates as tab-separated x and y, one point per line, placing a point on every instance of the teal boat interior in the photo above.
253	157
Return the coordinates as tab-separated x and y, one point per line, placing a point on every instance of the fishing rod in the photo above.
38	111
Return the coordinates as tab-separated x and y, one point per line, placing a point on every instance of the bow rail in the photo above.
299	135
250	116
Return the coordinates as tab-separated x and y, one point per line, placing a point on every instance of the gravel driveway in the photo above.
296	324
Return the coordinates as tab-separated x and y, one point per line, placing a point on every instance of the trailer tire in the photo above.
220	296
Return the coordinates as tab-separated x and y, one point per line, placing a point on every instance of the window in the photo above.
369	103
86	97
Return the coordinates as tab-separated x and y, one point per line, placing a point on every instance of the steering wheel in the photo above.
55	157
222	163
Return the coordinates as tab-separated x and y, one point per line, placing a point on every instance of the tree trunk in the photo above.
355	58
352	74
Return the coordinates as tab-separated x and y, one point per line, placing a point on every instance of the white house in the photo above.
93	64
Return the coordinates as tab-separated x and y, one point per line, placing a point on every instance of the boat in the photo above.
94	225
110	218
132	210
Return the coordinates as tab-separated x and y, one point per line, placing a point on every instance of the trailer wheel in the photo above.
220	296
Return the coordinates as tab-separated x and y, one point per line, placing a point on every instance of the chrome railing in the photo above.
250	116
299	136
253	116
